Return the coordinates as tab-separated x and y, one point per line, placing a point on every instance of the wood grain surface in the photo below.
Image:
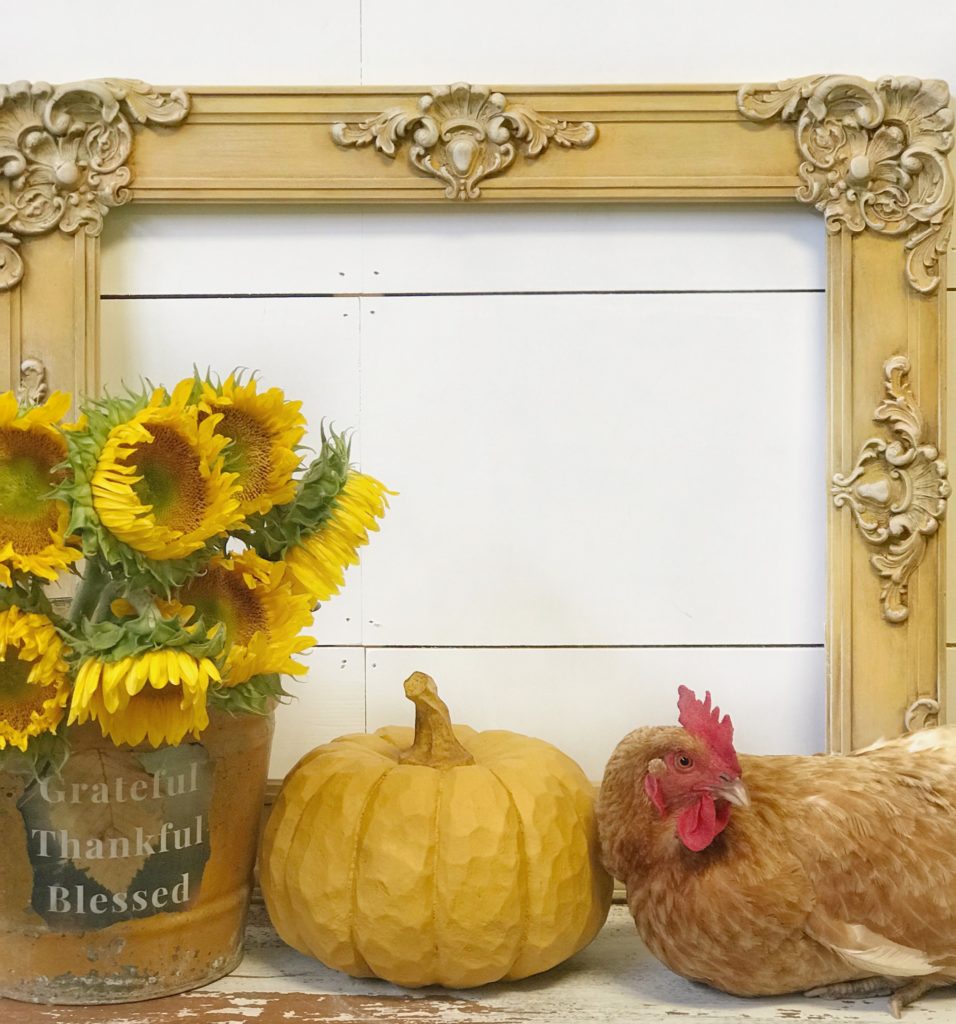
614	981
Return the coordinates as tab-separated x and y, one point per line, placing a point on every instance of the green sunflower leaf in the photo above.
45	755
103	635
285	525
27	594
113	641
256	696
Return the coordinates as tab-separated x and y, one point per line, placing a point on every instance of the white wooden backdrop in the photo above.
606	424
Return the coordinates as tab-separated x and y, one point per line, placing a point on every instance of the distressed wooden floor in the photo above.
613	981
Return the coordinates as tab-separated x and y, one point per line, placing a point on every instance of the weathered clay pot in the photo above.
129	876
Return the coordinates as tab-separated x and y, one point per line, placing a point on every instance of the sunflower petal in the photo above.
35	685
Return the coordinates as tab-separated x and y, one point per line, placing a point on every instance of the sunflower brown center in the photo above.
220	596
249	455
171	481
18	698
26	515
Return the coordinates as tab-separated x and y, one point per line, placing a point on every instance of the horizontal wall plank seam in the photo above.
472	294
567	647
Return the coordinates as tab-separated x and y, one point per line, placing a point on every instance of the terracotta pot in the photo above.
129	876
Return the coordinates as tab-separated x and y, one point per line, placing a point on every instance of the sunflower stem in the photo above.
109	592
88	592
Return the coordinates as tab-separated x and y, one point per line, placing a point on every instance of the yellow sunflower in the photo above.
159	695
159	485
317	563
34	682
261	614
264	431
32	526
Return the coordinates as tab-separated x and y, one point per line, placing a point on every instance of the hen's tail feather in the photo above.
941	739
869	951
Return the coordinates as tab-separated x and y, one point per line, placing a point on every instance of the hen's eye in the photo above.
684	761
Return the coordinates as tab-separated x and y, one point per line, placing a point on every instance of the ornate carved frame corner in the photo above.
64	163
871	156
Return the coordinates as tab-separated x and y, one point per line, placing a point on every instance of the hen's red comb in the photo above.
704	722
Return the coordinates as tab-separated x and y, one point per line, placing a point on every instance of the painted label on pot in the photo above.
118	835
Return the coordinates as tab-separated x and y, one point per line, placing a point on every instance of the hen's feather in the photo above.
863	948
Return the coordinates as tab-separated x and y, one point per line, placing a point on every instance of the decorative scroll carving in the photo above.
921	714
63	153
874	157
897	490
11	265
462	134
34	386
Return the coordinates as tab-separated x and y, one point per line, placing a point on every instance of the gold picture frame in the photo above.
870	156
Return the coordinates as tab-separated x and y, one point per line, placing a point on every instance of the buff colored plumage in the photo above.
832	873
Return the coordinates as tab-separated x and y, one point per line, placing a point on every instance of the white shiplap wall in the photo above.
602	494
576	406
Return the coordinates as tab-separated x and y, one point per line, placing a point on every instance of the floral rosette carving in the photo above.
462	134
63	154
874	157
897	491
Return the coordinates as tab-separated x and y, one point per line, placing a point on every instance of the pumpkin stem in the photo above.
435	744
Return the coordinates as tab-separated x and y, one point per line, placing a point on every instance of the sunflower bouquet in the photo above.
202	540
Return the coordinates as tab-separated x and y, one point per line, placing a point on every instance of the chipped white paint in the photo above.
614	980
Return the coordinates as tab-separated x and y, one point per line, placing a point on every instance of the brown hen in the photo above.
773	875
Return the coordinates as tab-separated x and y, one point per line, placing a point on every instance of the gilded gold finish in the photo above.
462	134
923	713
34	386
63	156
897	491
874	157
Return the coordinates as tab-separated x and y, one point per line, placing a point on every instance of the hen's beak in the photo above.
731	790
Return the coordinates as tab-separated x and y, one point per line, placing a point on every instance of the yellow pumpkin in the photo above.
435	856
